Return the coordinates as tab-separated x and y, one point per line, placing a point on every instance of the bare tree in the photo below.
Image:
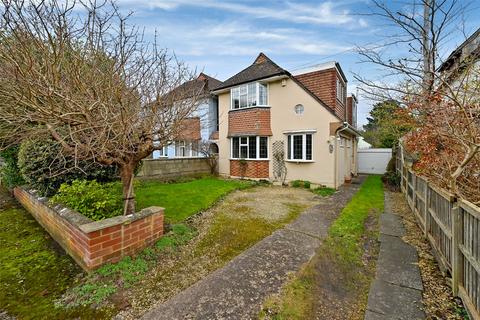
409	54
210	151
81	73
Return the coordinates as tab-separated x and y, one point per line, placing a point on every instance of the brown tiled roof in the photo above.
261	68
201	86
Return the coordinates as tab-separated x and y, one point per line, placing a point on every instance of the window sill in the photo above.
300	161
247	108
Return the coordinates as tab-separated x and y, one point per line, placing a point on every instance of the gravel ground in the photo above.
437	297
179	270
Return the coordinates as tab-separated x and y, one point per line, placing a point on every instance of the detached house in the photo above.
284	126
200	125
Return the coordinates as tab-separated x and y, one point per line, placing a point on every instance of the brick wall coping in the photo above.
86	224
114	221
249	108
73	217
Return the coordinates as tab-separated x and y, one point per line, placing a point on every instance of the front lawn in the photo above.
180	199
184	199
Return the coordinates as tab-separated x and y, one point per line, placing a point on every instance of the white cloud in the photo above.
326	13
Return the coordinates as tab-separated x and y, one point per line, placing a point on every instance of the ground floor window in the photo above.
185	148
299	146
255	147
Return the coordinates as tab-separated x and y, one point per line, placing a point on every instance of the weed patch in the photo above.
111	277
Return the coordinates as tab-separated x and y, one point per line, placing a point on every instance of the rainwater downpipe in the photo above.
337	138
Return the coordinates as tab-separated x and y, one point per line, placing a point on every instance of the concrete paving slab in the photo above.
391	224
397	263
395	302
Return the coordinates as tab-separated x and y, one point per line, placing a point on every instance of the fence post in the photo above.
456	253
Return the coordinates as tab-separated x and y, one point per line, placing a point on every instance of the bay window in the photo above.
254	147
299	147
249	95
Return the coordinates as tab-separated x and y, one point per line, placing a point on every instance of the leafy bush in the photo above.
94	200
392	180
300	183
296	183
44	168
9	172
324	191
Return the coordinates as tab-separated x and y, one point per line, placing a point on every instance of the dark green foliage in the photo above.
391	178
9	172
324	191
44	168
300	183
387	122
92	199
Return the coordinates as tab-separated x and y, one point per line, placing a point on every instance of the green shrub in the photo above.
300	183
296	183
392	180
44	168
9	172
94	200
324	191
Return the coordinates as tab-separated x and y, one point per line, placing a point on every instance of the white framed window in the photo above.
299	146
180	149
341	91
187	148
254	147
249	95
161	153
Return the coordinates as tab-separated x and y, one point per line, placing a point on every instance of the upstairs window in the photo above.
299	147
341	91
249	95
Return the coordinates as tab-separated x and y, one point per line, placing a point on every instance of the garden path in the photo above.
238	290
396	292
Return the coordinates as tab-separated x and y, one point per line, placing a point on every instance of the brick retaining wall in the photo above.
94	243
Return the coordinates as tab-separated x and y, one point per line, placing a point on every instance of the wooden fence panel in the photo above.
453	230
469	245
439	224
420	202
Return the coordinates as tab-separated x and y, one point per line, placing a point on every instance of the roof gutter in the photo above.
348	128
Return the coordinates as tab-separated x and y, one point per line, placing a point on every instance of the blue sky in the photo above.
223	37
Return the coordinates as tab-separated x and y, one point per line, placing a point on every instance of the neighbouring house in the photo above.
202	124
466	54
283	126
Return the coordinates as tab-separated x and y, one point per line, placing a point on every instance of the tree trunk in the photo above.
472	151
126	175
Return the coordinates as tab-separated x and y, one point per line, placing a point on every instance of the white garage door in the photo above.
373	161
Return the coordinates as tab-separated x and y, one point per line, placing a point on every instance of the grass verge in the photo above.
339	261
